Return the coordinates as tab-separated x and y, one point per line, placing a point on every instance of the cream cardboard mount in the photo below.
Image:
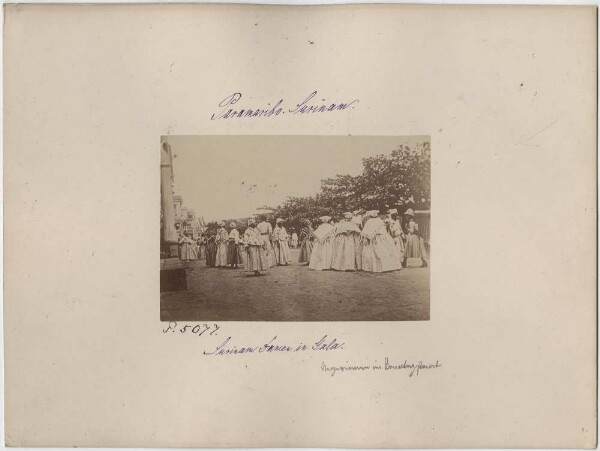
507	95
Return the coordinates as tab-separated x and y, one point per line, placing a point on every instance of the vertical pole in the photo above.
166	193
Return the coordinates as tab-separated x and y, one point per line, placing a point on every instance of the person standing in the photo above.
294	239
222	240
266	230
232	249
346	245
211	247
256	249
280	239
201	244
395	229
307	237
186	245
357	217
322	252
415	245
379	252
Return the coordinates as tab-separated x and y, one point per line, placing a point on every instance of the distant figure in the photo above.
280	240
233	257
222	240
357	217
322	252
307	237
379	253
395	229
201	243
256	250
294	239
415	245
211	247
186	246
266	230
346	246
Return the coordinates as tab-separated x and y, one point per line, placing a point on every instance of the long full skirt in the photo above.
222	251
188	252
256	259
415	247
270	252
400	246
282	252
305	251
345	252
380	254
233	257
241	254
211	253
322	255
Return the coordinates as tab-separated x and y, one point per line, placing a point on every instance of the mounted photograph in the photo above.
295	228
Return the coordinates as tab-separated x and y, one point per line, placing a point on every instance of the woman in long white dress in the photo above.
346	245
266	230
396	232
256	250
187	251
322	253
222	241
280	240
415	245
379	252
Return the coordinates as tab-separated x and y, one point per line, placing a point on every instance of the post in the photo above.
166	193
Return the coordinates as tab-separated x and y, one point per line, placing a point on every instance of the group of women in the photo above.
373	241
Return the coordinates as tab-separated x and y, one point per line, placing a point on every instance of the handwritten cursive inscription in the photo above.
413	369
227	347
229	108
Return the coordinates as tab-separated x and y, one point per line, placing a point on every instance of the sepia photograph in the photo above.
295	228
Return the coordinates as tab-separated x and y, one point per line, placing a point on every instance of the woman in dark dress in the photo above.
211	247
307	236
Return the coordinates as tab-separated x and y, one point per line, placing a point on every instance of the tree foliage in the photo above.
400	179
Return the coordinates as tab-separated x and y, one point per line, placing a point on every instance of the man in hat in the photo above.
415	245
280	241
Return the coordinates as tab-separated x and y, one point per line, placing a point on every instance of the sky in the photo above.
223	177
